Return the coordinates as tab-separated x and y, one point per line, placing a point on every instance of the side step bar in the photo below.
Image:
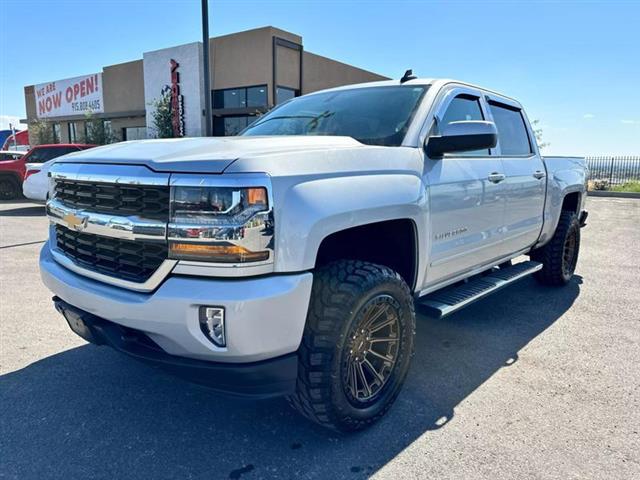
444	302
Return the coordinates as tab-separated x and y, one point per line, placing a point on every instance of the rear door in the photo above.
465	194
525	183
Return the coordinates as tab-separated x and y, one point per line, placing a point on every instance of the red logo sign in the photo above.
177	101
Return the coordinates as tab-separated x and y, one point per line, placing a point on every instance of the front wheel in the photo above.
559	257
357	345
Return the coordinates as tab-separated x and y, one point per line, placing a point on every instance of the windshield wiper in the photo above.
312	125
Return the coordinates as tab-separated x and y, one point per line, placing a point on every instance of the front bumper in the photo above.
268	378
264	316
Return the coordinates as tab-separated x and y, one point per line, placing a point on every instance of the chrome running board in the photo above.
444	302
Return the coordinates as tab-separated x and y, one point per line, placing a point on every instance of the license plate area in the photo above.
77	324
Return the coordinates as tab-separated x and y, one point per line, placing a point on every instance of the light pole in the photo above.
205	58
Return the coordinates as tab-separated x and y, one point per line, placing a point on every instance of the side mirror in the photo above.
463	136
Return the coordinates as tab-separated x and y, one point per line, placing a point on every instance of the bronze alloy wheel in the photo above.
370	353
357	345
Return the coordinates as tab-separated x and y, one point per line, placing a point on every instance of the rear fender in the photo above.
566	175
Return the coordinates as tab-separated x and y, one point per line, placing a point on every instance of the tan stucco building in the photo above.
251	72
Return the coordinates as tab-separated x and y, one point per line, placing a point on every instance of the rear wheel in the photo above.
560	256
357	345
9	188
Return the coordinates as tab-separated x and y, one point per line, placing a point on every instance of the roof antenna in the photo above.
408	75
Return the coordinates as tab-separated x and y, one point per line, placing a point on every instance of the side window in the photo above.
464	107
513	137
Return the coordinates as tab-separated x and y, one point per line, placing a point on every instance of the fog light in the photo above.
212	324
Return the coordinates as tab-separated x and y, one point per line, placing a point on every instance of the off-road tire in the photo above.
340	292
9	188
557	270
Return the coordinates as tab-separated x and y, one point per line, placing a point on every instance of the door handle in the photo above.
496	177
539	174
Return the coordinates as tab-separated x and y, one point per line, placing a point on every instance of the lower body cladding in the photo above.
264	323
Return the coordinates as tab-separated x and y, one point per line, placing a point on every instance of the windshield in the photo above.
371	115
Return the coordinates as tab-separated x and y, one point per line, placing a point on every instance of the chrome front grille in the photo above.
147	201
109	223
134	261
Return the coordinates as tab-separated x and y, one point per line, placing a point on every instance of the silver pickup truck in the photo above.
289	260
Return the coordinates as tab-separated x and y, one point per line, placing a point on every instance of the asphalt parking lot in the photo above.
533	382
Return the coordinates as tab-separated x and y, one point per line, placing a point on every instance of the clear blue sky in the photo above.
575	65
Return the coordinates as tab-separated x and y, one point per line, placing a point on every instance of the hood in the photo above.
203	155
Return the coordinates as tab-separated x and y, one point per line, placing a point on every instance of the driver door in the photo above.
466	197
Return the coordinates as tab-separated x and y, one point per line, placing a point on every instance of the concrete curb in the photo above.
606	193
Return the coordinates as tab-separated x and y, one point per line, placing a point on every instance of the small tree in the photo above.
162	116
41	132
537	131
97	132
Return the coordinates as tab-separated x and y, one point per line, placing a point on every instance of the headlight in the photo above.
220	224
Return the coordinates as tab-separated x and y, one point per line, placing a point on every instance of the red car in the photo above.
13	169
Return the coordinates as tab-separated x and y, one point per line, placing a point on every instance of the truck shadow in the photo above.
27	211
89	412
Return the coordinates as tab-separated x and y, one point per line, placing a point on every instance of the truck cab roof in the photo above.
438	83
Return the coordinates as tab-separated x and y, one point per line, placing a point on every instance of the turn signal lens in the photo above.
215	253
257	196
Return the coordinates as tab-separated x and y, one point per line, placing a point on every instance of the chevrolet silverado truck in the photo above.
290	260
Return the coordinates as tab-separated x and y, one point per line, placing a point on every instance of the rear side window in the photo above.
464	107
10	156
513	138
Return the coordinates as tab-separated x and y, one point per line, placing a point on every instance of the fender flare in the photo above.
321	207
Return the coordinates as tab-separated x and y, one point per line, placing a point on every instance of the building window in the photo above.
74	128
284	93
257	96
134	133
230	98
56	132
240	97
231	125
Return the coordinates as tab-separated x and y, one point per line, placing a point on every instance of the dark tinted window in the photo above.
284	94
45	154
257	96
229	126
231	98
464	107
240	97
236	98
56	132
10	156
373	115
512	131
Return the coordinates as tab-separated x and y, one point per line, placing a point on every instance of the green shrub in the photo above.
633	187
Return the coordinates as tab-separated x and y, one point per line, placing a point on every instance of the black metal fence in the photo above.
616	170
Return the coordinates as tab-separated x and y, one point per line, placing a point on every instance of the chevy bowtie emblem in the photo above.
76	222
